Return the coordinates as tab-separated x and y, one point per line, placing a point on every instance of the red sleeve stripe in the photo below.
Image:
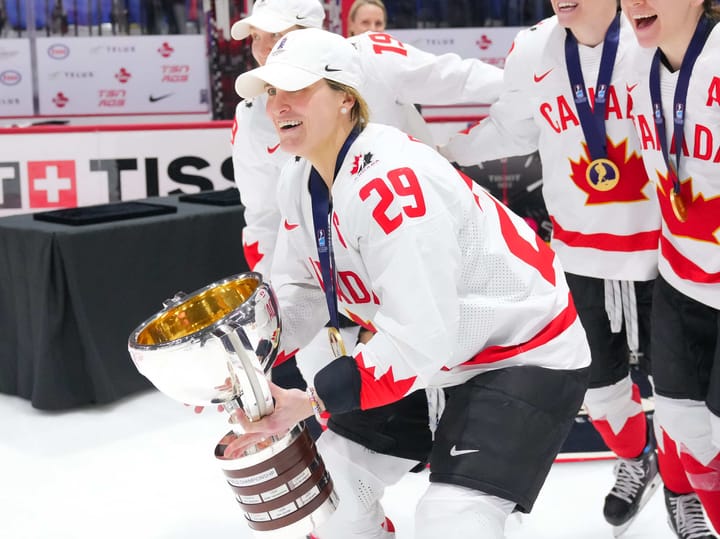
559	324
641	241
684	267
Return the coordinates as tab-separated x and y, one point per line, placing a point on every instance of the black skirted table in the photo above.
71	295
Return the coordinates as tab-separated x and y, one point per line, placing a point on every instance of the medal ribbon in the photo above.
592	120
702	31
322	210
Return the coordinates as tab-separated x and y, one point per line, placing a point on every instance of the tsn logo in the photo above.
55	184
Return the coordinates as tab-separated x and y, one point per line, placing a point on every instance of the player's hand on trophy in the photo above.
291	407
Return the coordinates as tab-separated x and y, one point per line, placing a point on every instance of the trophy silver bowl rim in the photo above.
178	299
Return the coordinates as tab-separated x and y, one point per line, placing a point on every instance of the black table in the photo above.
71	295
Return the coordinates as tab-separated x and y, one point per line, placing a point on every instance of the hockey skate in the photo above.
636	481
685	516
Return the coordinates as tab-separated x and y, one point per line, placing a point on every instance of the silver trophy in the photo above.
216	346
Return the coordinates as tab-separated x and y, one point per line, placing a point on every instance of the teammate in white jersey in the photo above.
458	291
677	114
565	94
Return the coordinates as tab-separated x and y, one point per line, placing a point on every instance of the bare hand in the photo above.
291	407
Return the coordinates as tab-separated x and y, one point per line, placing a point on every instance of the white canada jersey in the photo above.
601	228
257	161
398	75
451	282
690	250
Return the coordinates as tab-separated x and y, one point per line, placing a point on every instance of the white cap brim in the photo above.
267	21
282	76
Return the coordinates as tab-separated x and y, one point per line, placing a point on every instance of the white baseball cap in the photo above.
279	15
301	58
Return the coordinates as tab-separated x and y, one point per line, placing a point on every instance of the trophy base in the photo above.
281	485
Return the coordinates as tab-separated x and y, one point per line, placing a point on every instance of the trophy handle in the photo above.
248	380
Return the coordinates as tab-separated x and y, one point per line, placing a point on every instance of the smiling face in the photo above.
311	122
367	17
668	24
587	19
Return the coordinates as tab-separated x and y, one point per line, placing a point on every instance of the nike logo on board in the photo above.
271	149
538	78
289	226
153	98
630	88
454	451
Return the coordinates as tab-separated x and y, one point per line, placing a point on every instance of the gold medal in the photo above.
336	342
602	174
678	205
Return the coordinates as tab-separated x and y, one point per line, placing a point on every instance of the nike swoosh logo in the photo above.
153	98
331	69
298	17
630	88
273	148
288	226
538	78
454	451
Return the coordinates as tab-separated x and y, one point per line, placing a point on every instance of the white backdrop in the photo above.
16	89
122	75
68	167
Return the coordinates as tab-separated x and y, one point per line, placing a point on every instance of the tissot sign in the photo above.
61	170
122	75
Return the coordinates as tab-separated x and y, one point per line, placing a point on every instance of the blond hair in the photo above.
360	112
357	4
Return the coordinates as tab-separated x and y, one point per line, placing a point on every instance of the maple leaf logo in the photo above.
360	162
702	221
252	254
378	391
632	176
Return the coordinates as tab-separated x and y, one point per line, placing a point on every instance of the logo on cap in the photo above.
331	69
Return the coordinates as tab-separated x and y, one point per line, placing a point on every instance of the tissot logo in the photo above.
58	51
10	77
52	184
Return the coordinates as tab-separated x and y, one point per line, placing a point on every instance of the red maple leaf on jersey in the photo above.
703	215
252	254
380	391
633	177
